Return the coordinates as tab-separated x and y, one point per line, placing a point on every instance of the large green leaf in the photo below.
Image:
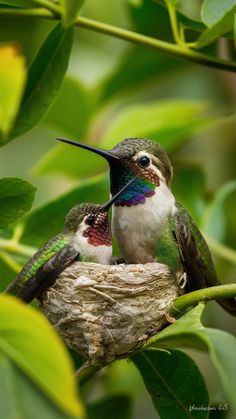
29	342
16	198
45	222
21	398
213	11
223	355
219	17
12	81
188	331
66	160
18	3
45	77
214	220
139	66
174	382
191	178
73	118
116	407
168	121
70	9
146	16
182	15
136	70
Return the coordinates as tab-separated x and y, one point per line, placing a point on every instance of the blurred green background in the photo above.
115	90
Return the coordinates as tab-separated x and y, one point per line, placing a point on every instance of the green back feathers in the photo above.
38	260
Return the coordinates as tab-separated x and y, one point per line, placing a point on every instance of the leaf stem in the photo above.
11	246
173	21
17	233
10	262
35	12
221	250
166	47
179	51
192	299
48	5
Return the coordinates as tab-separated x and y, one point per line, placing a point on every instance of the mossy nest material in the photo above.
106	312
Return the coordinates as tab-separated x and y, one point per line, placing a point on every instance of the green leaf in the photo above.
19	3
73	119
21	398
16	198
12	81
219	17
182	14
188	331
75	163
185	332
45	77
189	23
42	223
213	11
191	178
137	68
223	355
122	377
140	66
172	2
168	121
136	3
174	382
70	9
116	407
145	20
28	340
214	220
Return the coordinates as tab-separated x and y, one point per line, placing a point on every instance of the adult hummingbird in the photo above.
147	222
86	237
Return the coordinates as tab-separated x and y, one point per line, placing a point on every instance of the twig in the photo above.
179	51
192	299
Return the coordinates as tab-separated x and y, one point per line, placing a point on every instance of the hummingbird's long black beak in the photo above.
104	153
111	201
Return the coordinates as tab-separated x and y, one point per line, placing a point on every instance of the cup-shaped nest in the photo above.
106	312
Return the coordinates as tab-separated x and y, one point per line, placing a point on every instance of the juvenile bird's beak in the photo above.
108	204
104	153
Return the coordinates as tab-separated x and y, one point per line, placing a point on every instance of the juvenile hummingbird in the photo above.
147	222
86	237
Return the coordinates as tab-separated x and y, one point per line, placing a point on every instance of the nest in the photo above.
106	312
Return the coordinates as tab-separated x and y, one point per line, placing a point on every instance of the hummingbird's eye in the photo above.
90	220
144	161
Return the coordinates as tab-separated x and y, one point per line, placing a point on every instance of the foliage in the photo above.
12	79
26	341
113	90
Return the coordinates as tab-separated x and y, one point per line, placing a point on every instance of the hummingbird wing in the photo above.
30	269
196	257
47	274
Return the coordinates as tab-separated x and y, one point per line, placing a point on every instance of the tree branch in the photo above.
192	299
180	51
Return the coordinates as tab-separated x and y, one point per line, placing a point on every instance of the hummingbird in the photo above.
147	221
86	237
